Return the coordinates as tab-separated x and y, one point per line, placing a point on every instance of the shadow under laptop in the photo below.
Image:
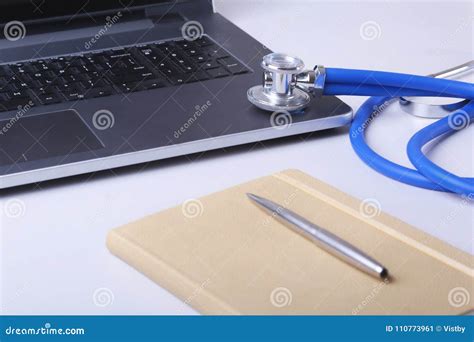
176	161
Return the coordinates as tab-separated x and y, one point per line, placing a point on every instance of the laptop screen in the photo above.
40	9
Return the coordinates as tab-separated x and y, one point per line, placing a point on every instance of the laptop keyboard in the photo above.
115	71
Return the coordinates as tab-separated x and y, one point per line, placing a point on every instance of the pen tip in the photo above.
384	273
251	196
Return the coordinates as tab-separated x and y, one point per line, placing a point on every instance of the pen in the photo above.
324	239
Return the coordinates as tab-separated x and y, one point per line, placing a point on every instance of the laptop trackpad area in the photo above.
44	136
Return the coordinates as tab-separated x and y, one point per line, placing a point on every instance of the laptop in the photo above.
93	85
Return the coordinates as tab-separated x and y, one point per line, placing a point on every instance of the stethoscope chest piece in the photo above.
278	91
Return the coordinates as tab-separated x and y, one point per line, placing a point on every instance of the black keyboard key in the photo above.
98	83
3	82
216	52
156	58
73	94
199	75
84	77
125	78
192	52
44	90
18	94
152	84
218	72
119	54
203	41
70	71
4	71
130	87
32	69
146	51
200	58
73	91
15	103
232	65
69	78
177	79
78	62
166	48
97	58
56	66
167	69
210	65
186	45
49	98
99	92
59	81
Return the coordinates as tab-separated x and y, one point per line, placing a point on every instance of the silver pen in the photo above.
325	239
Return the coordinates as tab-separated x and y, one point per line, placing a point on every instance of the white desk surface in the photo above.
54	257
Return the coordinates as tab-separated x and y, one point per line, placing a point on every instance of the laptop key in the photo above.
200	58
217	72
4	71
3	82
203	41
49	98
177	80
99	92
210	65
130	87
217	53
74	95
232	65
186	45
15	103
152	84
199	75
44	90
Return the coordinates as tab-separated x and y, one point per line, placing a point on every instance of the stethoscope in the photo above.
287	86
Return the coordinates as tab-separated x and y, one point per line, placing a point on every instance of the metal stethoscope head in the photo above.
287	86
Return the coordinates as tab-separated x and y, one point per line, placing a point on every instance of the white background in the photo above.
54	256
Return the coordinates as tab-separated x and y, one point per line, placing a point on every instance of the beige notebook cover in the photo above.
222	254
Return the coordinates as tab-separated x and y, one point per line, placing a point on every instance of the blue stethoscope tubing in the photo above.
384	87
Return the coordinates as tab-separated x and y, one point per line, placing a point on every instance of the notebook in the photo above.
222	254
